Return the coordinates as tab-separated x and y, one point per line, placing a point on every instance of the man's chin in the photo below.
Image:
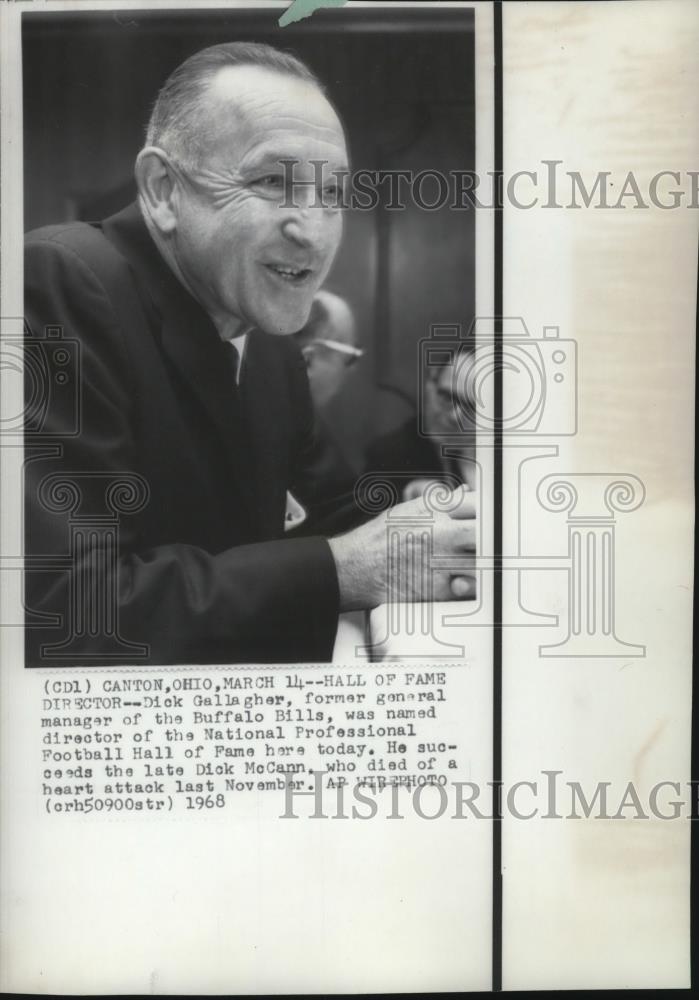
279	330
285	324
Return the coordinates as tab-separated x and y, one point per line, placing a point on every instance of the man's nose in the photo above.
305	225
306	218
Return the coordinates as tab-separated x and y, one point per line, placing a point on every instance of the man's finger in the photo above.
459	585
453	538
463	587
416	488
465	504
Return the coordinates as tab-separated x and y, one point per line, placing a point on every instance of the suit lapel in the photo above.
191	343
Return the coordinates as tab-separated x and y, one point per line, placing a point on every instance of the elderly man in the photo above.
193	396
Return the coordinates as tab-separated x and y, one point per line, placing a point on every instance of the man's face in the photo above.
448	399
249	256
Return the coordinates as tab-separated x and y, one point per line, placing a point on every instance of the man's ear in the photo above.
157	186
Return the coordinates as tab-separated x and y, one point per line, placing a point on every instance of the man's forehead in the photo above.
258	98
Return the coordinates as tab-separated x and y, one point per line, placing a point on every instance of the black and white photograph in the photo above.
226	296
347	461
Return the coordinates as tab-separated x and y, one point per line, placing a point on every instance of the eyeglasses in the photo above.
351	354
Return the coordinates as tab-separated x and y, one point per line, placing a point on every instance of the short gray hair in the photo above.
176	121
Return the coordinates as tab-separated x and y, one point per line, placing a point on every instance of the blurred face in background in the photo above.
448	398
326	372
328	343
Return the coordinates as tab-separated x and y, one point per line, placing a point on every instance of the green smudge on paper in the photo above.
304	8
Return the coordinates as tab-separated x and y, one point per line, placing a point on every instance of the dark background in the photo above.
403	83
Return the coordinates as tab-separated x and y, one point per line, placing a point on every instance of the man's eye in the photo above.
271	182
332	193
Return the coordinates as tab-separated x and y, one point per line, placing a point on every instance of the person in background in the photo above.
328	343
411	458
195	421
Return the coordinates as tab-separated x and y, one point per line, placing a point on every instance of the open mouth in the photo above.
291	275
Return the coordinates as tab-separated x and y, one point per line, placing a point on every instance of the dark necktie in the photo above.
238	428
242	447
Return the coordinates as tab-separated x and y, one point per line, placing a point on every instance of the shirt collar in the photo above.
239	344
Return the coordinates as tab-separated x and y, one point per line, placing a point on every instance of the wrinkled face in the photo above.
252	251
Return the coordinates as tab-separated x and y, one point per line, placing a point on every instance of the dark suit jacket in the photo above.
198	570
